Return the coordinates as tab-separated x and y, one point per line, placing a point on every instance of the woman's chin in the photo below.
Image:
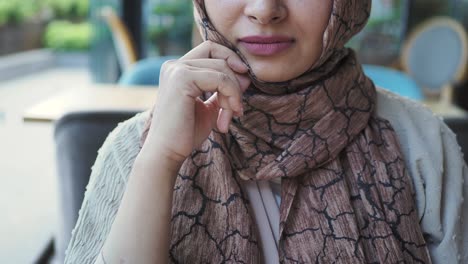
281	68
272	75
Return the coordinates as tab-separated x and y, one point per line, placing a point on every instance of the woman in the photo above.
273	97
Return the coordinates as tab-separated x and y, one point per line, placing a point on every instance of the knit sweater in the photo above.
432	155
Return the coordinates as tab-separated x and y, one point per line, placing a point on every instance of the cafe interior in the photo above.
417	49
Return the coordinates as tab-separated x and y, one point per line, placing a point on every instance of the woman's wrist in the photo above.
145	210
153	154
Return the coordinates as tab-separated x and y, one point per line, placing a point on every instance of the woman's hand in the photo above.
181	120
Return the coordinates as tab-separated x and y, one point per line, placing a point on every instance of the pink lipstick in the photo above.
266	45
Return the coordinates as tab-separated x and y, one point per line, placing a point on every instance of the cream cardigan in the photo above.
431	152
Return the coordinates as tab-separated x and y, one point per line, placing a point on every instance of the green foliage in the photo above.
68	9
69	31
394	17
174	8
17	11
176	17
67	36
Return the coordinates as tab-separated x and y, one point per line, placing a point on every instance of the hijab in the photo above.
346	196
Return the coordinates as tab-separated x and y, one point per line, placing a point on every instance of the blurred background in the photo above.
71	70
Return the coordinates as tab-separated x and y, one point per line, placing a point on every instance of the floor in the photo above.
27	170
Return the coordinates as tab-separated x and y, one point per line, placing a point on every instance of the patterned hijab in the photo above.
346	194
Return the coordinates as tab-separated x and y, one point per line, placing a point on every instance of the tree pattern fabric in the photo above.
346	196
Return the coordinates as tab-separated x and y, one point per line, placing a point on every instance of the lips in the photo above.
266	45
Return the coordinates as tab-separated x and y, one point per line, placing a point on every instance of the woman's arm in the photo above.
439	172
120	177
105	190
141	230
133	220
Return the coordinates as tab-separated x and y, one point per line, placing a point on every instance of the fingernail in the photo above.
233	103
239	66
245	82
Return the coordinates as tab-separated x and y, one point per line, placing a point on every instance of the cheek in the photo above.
223	14
315	16
314	25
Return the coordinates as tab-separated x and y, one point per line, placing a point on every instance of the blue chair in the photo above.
144	72
394	81
435	55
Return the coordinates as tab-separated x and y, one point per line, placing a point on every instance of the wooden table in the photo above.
94	97
113	97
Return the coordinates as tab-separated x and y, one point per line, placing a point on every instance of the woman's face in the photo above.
281	39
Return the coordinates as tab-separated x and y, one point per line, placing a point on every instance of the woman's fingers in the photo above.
229	91
209	49
244	81
180	110
210	55
221	117
224	119
219	65
209	67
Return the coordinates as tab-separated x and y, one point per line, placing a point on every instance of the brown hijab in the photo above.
346	194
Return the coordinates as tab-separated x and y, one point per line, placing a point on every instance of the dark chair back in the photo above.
78	137
460	127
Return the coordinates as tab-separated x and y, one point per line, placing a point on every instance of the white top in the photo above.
276	188
266	213
432	156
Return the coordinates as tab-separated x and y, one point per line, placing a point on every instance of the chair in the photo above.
435	55
144	72
394	81
460	127
123	41
78	136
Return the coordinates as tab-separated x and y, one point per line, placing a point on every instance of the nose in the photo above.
266	11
